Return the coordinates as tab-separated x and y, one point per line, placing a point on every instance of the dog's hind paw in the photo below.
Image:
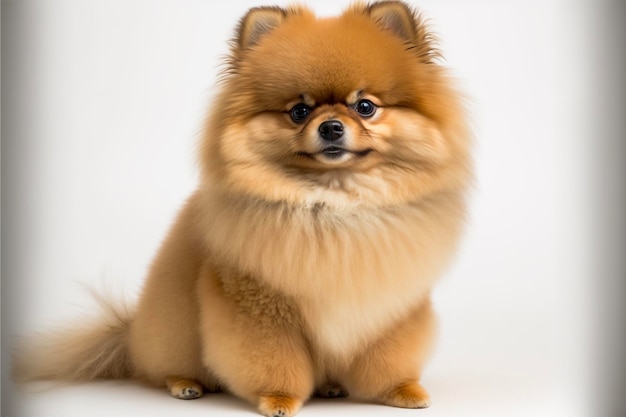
331	390
184	389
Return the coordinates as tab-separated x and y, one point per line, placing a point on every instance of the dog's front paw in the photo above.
279	405
408	395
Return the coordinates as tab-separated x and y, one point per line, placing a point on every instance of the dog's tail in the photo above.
86	350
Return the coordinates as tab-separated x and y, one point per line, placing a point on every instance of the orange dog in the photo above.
335	165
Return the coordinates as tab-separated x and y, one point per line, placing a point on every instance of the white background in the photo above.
105	102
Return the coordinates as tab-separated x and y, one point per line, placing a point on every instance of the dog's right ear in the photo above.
258	22
400	19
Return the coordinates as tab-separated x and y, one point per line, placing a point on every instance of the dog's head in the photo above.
347	110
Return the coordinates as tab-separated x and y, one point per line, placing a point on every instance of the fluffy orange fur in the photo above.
293	269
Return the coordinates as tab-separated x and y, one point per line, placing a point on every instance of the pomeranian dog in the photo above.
334	171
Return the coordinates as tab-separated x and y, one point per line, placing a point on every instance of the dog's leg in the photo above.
252	341
389	370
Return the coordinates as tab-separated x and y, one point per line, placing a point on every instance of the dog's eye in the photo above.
365	108
299	112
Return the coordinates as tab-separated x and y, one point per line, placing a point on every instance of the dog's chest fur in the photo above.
351	275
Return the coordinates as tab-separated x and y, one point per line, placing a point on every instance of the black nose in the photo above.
331	130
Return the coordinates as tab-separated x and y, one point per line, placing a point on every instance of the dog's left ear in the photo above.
258	22
398	18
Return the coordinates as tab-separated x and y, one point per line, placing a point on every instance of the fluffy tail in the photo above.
86	350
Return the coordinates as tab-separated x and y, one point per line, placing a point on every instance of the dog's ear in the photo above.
403	22
258	22
396	17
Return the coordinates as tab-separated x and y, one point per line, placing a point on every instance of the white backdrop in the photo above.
104	104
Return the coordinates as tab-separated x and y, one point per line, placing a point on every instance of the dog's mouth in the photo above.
334	153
